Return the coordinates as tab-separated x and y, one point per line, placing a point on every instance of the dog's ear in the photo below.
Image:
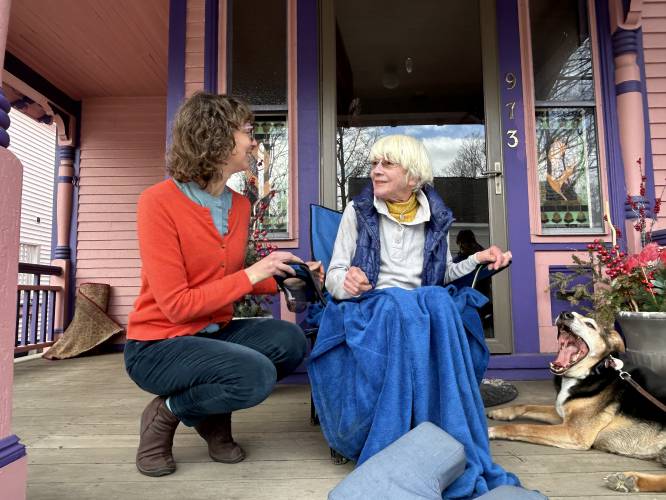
615	341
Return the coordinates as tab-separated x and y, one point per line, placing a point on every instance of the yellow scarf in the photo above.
404	211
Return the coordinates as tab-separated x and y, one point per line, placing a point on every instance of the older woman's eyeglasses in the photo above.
383	162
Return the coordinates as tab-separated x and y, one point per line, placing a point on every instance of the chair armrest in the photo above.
480	273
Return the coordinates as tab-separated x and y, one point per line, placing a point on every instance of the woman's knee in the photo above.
256	382
291	344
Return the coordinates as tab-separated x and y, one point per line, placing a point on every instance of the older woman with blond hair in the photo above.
182	345
411	222
399	348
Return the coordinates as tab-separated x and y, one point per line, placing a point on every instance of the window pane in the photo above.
258	52
561	50
269	172
568	169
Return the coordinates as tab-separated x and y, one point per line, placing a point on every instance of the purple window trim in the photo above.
520	374
520	361
212	19
614	168
307	76
11	450
176	63
503	373
523	277
563	247
628	86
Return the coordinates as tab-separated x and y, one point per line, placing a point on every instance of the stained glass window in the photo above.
566	128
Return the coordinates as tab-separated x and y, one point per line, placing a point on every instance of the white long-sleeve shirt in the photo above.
401	250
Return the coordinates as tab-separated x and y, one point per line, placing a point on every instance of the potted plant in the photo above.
624	289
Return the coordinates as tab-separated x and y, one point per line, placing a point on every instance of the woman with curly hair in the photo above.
182	345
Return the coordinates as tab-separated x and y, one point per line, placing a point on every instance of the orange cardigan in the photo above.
190	274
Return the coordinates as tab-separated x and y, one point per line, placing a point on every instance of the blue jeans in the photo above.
212	373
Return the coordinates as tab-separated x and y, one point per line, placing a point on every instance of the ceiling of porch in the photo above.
94	48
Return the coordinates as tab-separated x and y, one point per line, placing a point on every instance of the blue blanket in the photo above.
393	358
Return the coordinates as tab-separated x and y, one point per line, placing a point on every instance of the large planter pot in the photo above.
645	338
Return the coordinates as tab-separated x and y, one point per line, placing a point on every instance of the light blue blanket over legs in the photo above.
393	358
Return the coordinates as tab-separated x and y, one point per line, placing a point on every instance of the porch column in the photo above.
13	462
630	111
63	252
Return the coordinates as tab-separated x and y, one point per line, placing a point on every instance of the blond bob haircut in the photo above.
203	136
408	152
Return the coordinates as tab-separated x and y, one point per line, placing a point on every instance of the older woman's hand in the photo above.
356	282
495	257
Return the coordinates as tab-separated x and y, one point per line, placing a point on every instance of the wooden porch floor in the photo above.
79	421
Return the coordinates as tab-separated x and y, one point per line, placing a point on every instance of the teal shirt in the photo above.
219	207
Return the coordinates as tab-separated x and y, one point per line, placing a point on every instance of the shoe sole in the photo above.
229	461
155	473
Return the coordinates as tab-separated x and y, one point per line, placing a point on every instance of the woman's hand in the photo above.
274	264
317	271
495	257
356	282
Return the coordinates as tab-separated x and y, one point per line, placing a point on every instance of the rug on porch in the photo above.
91	325
495	391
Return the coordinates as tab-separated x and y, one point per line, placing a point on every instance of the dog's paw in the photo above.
621	482
505	413
491	433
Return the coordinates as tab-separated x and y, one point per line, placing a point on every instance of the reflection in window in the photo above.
567	151
457	154
561	50
258	52
568	169
258	72
269	171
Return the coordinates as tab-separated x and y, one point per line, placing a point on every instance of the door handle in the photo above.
496	174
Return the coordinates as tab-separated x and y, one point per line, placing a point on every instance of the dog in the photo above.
595	408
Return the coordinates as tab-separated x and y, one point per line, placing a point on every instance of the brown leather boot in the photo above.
158	425
216	430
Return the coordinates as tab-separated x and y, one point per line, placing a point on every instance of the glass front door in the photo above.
430	73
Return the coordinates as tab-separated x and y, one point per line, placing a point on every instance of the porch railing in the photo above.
35	309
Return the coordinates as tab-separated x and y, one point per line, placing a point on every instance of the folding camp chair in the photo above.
306	293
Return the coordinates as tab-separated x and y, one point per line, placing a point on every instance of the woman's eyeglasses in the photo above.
248	128
384	163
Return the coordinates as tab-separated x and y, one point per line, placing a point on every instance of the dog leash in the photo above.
617	365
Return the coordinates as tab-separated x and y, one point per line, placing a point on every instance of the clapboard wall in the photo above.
654	44
122	153
34	144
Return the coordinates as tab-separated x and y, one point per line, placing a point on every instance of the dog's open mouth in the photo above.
572	349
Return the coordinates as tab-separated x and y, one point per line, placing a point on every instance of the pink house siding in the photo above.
122	153
194	47
654	43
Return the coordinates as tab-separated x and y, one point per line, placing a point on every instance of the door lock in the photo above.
496	173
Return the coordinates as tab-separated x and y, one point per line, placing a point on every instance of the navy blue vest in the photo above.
367	255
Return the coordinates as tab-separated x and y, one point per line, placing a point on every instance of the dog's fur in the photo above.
594	407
